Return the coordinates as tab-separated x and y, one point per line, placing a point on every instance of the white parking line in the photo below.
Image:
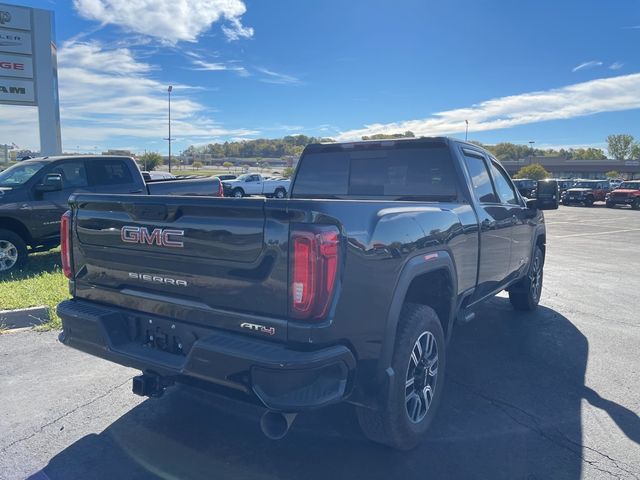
591	234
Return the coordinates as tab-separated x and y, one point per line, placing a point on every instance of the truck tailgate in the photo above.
185	257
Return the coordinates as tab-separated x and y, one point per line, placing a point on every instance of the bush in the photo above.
150	161
534	171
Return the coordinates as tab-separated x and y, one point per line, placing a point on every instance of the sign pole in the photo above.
46	73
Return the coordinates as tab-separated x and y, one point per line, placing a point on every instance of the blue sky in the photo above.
561	73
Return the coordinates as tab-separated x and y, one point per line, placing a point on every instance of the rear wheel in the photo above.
416	388
610	205
280	193
636	205
525	295
237	193
13	251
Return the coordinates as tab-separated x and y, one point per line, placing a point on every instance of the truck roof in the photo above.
373	143
72	157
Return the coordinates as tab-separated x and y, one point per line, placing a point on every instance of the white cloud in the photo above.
206	66
586	65
168	20
99	102
616	66
595	96
236	30
277	78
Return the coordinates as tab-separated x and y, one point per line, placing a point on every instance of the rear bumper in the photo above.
281	378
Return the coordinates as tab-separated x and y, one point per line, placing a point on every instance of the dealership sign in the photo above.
28	68
17	90
15	17
15	42
15	66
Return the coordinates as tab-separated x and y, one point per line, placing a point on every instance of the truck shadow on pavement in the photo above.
512	409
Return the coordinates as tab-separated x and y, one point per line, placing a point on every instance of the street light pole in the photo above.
169	139
531	142
466	132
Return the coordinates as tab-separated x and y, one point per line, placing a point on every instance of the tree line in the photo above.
291	145
620	147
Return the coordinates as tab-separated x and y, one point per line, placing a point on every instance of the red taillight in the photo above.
314	268
65	245
220	189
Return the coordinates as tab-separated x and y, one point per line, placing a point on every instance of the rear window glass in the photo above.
400	171
109	172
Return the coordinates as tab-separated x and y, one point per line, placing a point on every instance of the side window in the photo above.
480	179
108	172
255	178
74	174
506	192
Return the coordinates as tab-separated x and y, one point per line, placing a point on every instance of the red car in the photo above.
586	192
628	193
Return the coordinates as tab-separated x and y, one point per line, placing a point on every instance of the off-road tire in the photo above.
391	424
525	295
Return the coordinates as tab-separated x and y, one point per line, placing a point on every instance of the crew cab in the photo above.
34	194
586	192
255	184
346	291
628	193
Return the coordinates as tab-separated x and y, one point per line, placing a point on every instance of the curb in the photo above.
24	317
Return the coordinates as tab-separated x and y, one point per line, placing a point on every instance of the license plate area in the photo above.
163	335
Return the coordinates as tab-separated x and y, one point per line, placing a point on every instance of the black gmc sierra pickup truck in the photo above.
34	194
348	290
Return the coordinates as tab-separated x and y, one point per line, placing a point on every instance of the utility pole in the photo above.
169	139
466	132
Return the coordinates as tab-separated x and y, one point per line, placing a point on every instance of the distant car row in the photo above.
583	192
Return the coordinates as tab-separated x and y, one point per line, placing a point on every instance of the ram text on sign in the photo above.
12	41
14	90
14	17
15	66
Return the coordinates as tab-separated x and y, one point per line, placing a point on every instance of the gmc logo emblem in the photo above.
5	17
159	236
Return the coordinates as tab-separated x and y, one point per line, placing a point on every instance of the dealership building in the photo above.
560	167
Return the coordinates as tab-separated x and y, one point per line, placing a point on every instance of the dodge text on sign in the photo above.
15	66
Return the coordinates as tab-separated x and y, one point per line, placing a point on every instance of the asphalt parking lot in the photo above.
550	394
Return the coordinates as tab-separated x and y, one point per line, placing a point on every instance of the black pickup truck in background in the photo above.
348	290
34	194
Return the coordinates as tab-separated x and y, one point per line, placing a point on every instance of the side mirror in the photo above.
52	183
532	203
